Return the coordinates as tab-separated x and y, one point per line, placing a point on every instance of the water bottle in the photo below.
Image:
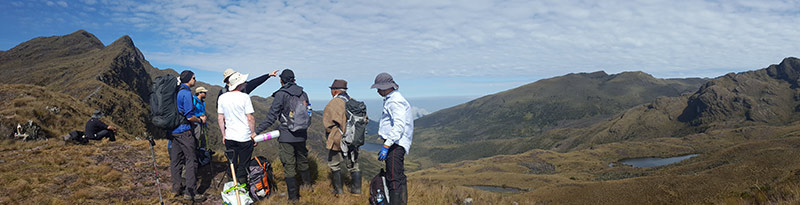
379	198
309	109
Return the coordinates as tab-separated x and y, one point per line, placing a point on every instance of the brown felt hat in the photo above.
339	84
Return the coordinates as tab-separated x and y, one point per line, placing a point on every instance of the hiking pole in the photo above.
155	170
229	154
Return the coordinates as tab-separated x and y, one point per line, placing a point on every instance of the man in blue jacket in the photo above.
397	131
184	145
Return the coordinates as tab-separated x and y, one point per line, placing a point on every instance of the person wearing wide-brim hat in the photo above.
397	130
236	123
97	130
249	85
334	119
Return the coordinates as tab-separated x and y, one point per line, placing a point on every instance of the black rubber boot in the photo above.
395	197
292	189
356	187
306	177
337	182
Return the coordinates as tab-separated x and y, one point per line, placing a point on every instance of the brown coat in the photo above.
334	117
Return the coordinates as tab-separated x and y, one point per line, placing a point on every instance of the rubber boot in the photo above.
356	188
292	189
306	177
395	197
336	182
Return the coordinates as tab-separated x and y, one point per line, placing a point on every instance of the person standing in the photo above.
334	119
249	85
97	130
237	124
183	149
292	144
397	130
200	112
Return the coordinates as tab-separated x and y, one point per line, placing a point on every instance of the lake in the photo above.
372	147
498	189
647	162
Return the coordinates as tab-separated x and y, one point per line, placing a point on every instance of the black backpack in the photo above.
299	114
378	190
356	122
163	105
260	180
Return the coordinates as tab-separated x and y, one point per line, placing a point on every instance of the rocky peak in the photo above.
54	47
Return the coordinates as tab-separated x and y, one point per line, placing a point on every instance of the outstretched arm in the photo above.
252	84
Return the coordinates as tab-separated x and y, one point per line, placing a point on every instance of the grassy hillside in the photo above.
761	97
523	113
109	78
734	167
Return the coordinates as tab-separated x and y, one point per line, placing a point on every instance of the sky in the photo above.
433	48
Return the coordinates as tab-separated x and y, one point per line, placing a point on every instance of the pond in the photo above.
498	189
372	147
647	162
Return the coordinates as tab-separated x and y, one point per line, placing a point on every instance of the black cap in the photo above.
287	76
186	76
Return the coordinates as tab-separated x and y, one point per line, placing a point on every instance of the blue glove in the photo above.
382	153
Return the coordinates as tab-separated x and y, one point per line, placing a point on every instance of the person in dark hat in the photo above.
97	130
334	119
397	130
292	144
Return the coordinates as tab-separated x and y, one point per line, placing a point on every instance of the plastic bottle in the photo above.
379	198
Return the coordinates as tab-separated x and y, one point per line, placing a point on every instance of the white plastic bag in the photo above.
229	196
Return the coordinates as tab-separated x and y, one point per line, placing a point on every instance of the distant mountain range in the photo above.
570	101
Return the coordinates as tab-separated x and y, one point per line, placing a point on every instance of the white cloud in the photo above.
62	3
500	39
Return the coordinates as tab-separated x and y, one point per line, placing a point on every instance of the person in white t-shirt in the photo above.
236	122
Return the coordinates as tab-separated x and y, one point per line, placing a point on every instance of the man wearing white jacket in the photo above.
397	129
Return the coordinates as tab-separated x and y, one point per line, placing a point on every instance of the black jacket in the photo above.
280	106
249	86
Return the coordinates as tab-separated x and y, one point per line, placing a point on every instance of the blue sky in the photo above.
433	48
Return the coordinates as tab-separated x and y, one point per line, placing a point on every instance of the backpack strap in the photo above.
263	186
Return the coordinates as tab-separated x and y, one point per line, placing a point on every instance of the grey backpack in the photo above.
299	117
356	122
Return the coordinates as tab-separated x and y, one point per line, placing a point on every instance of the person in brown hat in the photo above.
397	130
334	119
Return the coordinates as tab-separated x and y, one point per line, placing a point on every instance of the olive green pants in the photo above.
294	157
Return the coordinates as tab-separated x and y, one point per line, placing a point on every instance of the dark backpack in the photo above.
260	180
378	190
77	136
299	114
356	122
163	105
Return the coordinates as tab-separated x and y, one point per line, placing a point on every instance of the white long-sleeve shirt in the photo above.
396	124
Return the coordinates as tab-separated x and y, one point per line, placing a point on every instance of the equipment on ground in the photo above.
260	178
378	190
